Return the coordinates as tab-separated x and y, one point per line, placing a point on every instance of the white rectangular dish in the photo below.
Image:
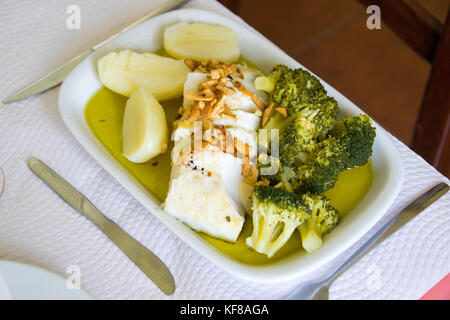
83	83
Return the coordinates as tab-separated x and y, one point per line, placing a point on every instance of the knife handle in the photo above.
142	257
147	261
68	193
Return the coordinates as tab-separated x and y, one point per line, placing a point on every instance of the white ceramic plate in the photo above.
24	282
83	82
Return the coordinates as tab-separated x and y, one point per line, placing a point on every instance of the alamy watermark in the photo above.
373	22
73	281
261	146
373	282
73	21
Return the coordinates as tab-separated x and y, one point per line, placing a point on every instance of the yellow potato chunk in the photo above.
125	71
201	41
144	130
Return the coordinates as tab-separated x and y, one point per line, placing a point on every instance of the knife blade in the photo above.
58	75
147	261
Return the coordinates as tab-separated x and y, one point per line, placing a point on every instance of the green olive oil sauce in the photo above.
104	114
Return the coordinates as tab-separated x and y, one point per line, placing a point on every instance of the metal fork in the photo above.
319	290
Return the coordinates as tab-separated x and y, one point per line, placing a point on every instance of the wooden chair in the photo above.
430	39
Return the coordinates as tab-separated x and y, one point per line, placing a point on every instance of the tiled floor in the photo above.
373	68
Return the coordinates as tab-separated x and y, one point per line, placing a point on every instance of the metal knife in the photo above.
57	76
319	290
148	262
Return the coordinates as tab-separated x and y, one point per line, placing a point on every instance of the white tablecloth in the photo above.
39	228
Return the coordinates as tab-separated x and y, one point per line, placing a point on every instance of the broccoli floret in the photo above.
297	141
323	115
296	88
357	136
321	173
324	217
300	133
269	167
311	113
267	83
315	168
276	215
301	136
277	121
313	147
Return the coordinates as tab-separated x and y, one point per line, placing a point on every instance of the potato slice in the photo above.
144	131
125	71
201	41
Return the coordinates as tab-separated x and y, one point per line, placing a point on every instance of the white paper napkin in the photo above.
37	227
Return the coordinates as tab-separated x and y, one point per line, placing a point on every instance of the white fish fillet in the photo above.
202	202
206	189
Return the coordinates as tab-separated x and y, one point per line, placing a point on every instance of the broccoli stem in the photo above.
266	84
311	240
280	241
269	234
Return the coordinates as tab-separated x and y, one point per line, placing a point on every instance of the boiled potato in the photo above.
125	71
201	41
144	131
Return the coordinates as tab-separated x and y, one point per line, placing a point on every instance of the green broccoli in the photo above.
313	149
297	141
315	171
311	113
276	215
357	136
315	167
324	217
296	88
267	83
269	167
306	129
321	173
322	114
299	135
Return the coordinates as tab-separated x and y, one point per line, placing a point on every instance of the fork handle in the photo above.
395	223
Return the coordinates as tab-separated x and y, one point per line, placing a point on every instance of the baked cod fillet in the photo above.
202	201
215	144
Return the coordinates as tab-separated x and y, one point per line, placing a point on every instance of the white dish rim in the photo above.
30	282
386	160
